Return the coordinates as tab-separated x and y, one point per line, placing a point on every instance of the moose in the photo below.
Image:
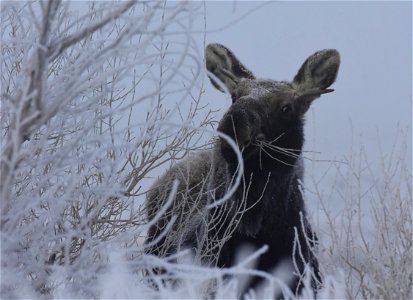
266	122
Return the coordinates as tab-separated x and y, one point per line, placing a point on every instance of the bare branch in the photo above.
58	47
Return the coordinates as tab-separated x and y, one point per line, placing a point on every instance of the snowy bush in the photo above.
85	107
365	221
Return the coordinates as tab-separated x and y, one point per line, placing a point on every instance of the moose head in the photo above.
268	111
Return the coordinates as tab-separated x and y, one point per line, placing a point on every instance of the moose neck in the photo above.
269	167
268	178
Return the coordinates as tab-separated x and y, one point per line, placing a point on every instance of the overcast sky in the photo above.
373	92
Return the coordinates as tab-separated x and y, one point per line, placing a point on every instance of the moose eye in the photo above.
286	108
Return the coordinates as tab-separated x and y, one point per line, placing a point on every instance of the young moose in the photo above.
266	122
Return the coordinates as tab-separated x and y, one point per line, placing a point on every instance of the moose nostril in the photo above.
260	137
286	108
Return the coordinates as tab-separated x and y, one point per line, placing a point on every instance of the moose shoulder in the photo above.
266	122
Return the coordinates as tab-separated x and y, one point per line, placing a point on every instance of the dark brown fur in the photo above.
266	121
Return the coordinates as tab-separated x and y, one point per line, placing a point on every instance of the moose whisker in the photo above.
277	149
273	157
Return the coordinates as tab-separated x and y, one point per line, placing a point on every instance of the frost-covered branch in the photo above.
368	237
59	46
83	99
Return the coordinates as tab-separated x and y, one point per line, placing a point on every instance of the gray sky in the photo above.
373	94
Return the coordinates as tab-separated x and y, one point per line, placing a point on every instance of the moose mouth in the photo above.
261	146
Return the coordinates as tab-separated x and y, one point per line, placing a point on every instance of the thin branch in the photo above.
57	48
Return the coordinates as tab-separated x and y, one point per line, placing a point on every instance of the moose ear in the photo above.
318	72
225	67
